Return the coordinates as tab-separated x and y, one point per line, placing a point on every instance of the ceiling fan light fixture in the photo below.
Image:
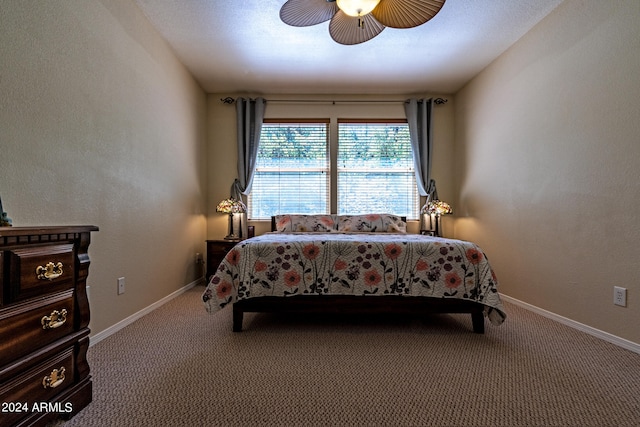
357	21
357	8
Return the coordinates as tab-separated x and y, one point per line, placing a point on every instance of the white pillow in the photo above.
314	223
379	223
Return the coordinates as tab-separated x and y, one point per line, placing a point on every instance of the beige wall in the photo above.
222	140
100	124
548	154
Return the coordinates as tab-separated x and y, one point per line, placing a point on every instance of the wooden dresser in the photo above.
44	318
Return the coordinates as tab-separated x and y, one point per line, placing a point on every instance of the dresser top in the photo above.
58	229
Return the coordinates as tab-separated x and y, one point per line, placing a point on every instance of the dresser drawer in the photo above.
28	391
30	325
38	270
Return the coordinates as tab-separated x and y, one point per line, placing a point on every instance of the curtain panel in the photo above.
250	113
419	119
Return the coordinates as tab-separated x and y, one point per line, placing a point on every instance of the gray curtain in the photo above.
250	113
418	113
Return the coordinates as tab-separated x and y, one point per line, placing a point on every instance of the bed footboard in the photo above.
358	305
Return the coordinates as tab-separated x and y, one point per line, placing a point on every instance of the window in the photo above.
375	169
371	169
292	170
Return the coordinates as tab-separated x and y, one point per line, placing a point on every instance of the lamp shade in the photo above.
230	206
437	207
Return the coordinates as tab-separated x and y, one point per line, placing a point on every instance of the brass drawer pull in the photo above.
55	379
56	319
50	271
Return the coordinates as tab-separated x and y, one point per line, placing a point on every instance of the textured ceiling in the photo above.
243	46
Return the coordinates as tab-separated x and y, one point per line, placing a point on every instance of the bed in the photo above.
354	264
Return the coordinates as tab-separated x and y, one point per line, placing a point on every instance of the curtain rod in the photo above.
230	100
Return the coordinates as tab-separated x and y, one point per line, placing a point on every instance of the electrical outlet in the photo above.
199	258
120	285
620	296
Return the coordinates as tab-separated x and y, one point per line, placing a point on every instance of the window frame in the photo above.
381	121
321	121
332	153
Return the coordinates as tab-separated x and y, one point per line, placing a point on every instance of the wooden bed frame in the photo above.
391	304
357	305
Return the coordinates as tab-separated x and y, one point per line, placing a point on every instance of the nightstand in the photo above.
216	251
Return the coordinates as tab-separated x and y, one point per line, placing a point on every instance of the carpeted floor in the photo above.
179	366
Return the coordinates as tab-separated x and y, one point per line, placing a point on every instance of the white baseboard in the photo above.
95	339
621	342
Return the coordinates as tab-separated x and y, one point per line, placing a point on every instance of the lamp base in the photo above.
430	225
236	226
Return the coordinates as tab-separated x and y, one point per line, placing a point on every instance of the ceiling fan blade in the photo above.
406	13
304	13
344	29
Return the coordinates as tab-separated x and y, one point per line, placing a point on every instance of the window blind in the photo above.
375	169
292	170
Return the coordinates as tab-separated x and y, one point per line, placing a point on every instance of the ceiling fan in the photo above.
356	21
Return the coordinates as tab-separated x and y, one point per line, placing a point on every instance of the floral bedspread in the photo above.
287	264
